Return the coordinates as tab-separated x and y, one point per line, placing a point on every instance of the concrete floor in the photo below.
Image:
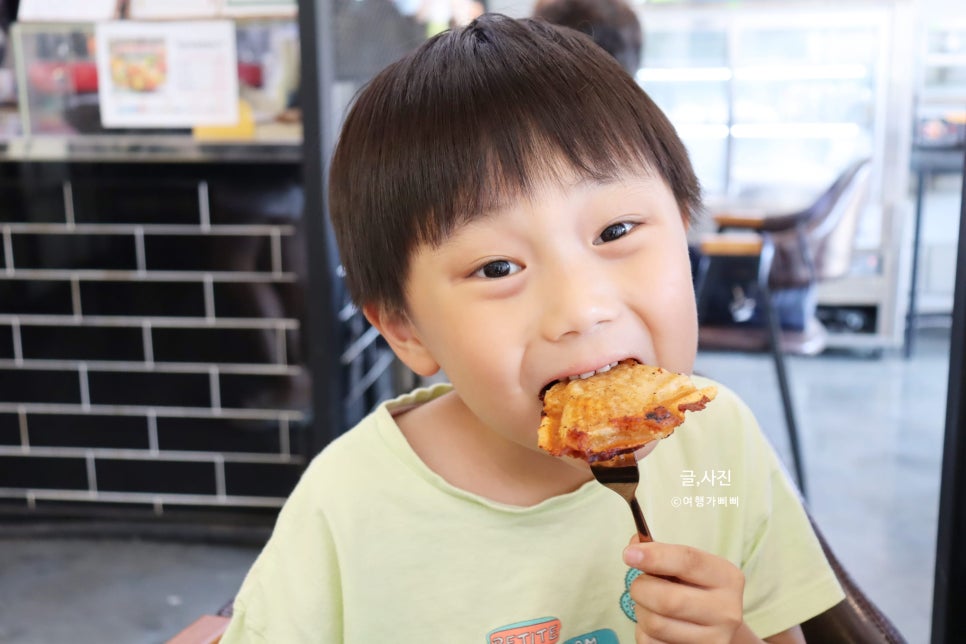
872	433
872	436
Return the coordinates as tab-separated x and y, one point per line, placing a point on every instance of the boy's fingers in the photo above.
667	630
671	599
688	564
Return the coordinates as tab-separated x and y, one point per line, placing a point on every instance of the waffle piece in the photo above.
617	411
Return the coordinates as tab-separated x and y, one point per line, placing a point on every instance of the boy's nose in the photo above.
576	302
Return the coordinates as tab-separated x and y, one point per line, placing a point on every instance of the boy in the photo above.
511	208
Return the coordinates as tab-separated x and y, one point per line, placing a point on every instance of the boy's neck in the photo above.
447	437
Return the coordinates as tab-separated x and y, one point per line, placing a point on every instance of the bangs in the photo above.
488	129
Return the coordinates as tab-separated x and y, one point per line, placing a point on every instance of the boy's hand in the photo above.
685	594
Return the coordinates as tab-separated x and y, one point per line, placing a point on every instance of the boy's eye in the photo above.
614	231
497	268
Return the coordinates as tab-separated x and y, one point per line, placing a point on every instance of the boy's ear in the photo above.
402	337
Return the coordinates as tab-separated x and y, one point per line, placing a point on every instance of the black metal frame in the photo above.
324	290
352	367
949	590
778	356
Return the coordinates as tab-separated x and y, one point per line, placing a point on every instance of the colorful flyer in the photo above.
167	74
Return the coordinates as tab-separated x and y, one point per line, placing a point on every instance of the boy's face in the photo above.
578	277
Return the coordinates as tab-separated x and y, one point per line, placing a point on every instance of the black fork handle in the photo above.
642	530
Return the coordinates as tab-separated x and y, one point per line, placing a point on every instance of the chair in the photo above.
854	620
207	629
776	252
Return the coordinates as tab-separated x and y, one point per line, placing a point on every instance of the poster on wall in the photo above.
167	74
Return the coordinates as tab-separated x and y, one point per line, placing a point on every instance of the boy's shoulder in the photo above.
374	442
375	425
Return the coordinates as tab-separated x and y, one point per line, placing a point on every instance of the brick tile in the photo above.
35	297
13	506
257	520
294	346
95	509
263	391
214	345
208	253
276	196
261	479
9	429
136	202
88	430
45	472
65	251
43	204
143	298
157	389
174	477
218	435
259	299
81	343
39	385
6	342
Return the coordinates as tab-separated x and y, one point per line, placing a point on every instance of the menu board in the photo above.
167	74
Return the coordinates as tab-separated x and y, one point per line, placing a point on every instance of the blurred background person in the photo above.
613	25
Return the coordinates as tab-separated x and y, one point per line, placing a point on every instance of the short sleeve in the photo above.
788	578
292	592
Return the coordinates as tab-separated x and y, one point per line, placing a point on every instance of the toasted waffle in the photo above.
617	411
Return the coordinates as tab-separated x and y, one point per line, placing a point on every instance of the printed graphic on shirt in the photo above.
545	630
627	604
603	636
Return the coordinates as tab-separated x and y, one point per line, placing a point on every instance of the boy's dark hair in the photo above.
612	24
474	119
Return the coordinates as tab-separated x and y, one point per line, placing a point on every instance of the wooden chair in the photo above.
207	629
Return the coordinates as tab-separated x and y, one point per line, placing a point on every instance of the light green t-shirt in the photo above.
373	546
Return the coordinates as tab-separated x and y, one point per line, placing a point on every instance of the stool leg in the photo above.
774	337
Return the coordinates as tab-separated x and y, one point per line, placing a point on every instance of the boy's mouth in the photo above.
582	376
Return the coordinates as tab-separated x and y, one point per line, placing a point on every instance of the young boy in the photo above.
511	209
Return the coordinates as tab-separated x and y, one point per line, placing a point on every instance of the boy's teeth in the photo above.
604	369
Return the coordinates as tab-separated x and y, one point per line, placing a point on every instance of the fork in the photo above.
620	474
